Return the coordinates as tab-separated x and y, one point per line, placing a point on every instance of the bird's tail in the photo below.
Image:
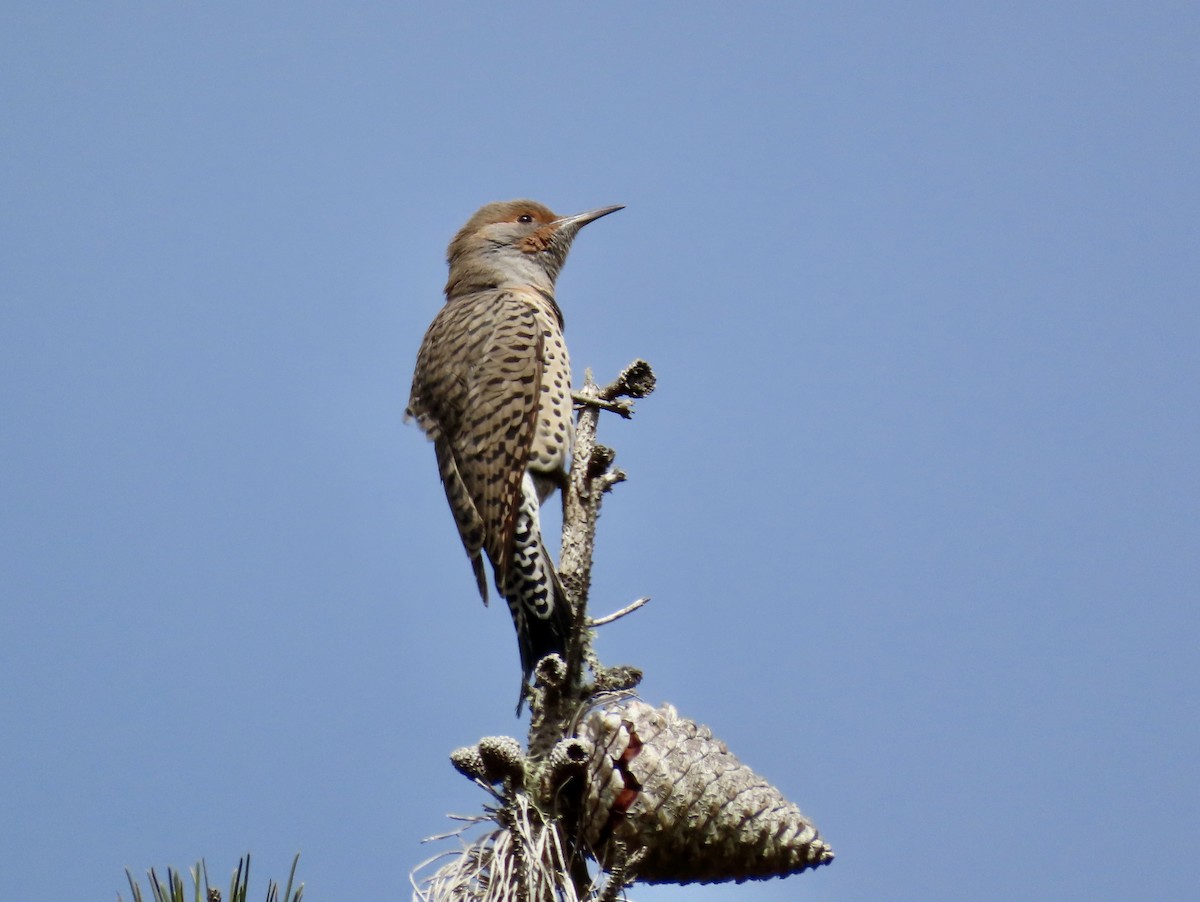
535	596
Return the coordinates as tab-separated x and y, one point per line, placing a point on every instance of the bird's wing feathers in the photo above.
466	515
476	394
496	436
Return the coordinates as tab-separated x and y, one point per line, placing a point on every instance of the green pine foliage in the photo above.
173	890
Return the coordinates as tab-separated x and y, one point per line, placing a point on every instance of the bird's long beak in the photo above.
572	224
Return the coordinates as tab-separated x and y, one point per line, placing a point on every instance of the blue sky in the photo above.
917	499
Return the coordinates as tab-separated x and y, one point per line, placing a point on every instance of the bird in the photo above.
492	390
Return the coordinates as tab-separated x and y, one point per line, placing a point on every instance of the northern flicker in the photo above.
492	389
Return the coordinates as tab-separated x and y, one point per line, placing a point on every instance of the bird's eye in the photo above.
525	217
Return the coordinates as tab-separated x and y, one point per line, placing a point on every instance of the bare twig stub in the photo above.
617	615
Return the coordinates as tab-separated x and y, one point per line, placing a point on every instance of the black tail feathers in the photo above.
542	629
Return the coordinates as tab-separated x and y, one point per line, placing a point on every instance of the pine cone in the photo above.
662	784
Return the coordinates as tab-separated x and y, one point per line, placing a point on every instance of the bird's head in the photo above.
514	241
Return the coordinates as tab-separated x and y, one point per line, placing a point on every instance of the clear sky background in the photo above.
917	501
